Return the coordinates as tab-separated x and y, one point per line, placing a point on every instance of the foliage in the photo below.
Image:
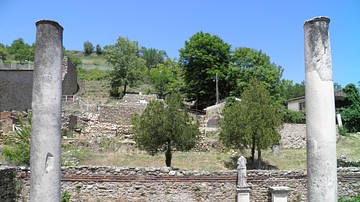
88	48
165	127
152	57
3	52
98	49
17	148
342	131
75	60
21	50
123	56
65	196
92	74
353	199
248	64
166	78
293	90
294	116
252	122
351	112
203	57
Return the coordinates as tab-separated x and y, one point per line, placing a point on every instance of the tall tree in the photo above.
88	48
293	90
248	64
252	122
165	127
98	49
21	50
203	57
152	57
3	52
123	56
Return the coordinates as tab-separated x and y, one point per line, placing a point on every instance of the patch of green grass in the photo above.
349	146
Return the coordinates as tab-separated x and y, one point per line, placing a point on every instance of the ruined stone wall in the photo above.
69	77
8	184
164	184
293	136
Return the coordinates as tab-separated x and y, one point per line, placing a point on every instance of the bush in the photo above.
65	196
294	116
353	199
17	147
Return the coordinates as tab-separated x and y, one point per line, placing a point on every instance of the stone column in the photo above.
45	160
320	113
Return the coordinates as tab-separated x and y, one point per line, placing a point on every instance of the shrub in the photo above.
353	199
17	147
65	196
294	116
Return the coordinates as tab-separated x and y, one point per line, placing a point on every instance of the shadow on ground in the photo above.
256	165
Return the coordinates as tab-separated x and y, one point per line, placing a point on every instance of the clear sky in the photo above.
275	27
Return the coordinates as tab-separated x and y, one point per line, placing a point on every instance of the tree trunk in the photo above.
124	92
253	152
259	158
168	155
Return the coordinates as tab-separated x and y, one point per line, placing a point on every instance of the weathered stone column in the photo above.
45	160
320	113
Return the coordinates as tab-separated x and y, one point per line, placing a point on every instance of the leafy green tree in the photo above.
165	127
3	52
128	67
253	122
22	51
98	49
293	90
351	112
17	148
88	48
203	57
161	78
248	64
152	57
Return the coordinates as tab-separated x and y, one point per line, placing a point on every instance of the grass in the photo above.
349	146
289	159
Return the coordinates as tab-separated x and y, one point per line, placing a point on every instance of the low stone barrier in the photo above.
90	183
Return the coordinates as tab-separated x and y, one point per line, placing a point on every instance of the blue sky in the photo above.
275	27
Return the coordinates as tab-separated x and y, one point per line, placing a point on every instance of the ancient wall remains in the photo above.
69	77
293	136
164	184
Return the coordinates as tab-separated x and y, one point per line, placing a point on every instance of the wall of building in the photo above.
165	184
15	89
16	86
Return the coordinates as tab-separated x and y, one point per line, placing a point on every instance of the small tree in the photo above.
88	48
98	49
252	122
165	127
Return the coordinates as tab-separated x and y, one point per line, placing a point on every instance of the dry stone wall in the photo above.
293	136
89	183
